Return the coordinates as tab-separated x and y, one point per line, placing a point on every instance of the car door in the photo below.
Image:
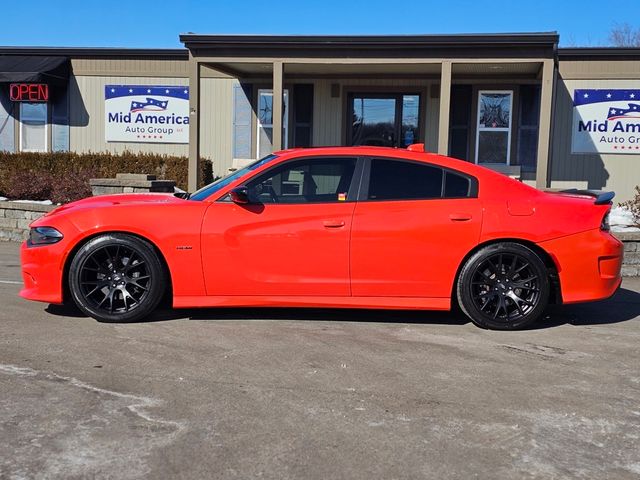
293	236
412	227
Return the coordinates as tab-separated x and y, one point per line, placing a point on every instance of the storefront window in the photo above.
384	120
33	127
493	138
265	122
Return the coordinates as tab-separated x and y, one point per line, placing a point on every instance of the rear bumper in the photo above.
42	273
588	265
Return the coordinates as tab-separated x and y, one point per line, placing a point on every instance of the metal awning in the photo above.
34	69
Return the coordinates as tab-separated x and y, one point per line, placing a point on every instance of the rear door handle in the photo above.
460	217
333	223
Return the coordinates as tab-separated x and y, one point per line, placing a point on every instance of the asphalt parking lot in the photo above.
317	394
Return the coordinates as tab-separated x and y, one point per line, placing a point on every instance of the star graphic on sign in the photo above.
608	95
113	90
186	91
135	104
166	91
633	95
148	90
164	104
586	95
613	111
131	90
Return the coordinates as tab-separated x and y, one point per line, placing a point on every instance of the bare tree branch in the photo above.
624	35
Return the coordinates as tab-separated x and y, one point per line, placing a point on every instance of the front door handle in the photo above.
333	223
460	217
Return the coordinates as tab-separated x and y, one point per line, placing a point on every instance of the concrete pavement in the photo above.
317	394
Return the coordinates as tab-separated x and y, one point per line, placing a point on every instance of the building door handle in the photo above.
460	217
333	223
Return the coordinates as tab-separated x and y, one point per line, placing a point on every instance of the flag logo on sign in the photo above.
150	105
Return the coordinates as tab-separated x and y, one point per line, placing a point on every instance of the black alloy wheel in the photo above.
116	278
504	286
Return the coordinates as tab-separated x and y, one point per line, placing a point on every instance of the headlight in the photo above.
604	225
44	236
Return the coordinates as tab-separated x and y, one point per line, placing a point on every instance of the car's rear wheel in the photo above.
117	278
504	286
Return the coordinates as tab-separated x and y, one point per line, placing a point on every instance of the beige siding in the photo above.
87	115
216	122
130	67
328	117
605	69
599	171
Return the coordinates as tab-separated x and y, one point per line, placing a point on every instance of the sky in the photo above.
157	24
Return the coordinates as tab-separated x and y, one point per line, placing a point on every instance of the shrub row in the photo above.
64	176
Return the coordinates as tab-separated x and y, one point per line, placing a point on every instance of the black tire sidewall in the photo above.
142	248
464	293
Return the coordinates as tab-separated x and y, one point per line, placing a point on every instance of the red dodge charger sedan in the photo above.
363	227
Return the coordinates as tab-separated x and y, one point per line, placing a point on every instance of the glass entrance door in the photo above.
384	120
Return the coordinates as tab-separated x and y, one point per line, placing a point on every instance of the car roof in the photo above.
392	152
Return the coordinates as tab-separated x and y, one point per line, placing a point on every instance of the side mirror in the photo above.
240	195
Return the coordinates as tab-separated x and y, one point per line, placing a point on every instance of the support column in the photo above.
194	124
276	140
445	105
544	129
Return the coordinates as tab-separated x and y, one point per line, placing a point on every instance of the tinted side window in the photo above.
456	186
317	180
399	180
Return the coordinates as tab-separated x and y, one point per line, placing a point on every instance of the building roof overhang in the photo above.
509	45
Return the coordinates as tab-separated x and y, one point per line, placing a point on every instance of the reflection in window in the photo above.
495	110
265	121
317	180
493	140
33	127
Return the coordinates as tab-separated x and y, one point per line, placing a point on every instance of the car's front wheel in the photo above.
116	278
504	286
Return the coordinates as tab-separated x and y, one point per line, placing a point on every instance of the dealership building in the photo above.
552	117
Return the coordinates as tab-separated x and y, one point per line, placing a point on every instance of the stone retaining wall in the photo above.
15	218
631	265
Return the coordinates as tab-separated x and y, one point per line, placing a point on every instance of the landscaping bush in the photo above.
633	206
64	176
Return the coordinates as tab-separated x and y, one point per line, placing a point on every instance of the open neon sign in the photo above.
29	92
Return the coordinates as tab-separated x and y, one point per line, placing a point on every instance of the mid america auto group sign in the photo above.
606	121
146	114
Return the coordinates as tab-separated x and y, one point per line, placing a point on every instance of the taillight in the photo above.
604	225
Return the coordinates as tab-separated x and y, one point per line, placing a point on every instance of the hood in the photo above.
113	200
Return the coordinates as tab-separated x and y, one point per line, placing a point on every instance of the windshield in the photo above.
212	188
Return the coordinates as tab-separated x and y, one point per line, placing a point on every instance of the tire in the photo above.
117	278
504	286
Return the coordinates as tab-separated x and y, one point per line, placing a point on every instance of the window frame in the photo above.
508	130
285	119
363	194
46	130
352	192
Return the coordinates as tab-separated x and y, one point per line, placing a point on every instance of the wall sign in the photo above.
146	114
29	92
606	121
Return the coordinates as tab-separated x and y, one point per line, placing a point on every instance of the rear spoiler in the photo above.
601	197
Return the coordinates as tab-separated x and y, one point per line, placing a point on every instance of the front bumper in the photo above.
588	265
42	270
